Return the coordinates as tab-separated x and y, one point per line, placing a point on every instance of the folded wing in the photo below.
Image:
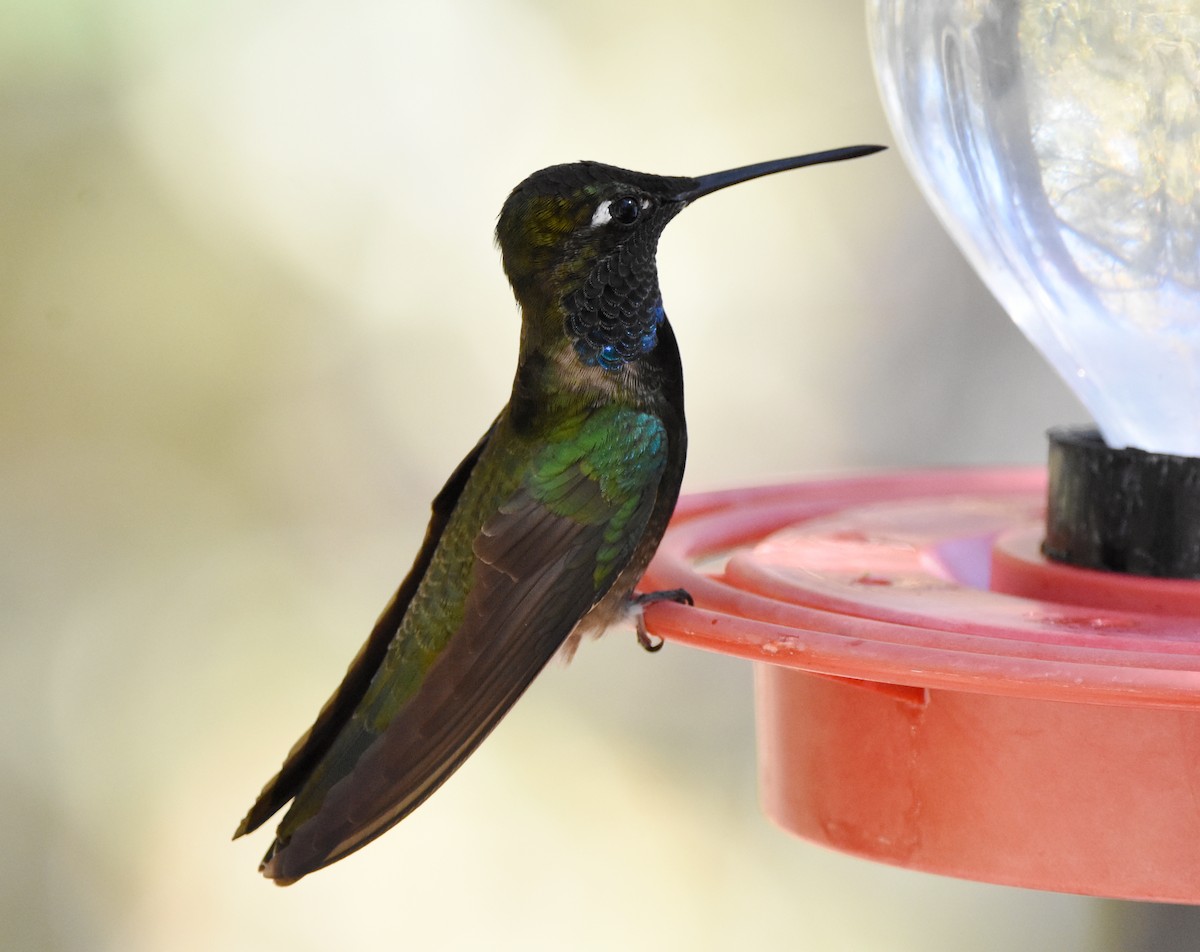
532	559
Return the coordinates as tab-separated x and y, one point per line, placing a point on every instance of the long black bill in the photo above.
717	180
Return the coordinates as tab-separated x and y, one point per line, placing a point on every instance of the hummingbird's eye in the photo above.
625	210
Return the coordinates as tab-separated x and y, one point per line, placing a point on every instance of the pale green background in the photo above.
251	316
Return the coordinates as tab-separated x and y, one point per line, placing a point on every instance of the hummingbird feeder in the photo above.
995	674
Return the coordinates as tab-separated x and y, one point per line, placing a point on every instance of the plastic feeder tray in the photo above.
931	692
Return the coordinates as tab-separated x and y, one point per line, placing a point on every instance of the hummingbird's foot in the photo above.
680	595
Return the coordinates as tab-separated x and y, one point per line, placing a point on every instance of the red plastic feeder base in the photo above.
932	693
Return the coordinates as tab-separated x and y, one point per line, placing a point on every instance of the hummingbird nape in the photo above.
542	532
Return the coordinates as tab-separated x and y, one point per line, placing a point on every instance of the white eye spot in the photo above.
645	203
602	215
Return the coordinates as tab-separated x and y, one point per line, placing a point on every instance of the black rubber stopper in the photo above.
1122	510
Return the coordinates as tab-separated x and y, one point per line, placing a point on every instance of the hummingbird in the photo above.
541	534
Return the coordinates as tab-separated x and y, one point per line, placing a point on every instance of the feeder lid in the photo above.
925	579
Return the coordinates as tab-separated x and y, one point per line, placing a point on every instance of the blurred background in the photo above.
251	316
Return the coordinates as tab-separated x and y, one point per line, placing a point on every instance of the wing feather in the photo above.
544	557
307	752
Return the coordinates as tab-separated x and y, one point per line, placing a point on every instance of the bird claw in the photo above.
679	595
648	641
